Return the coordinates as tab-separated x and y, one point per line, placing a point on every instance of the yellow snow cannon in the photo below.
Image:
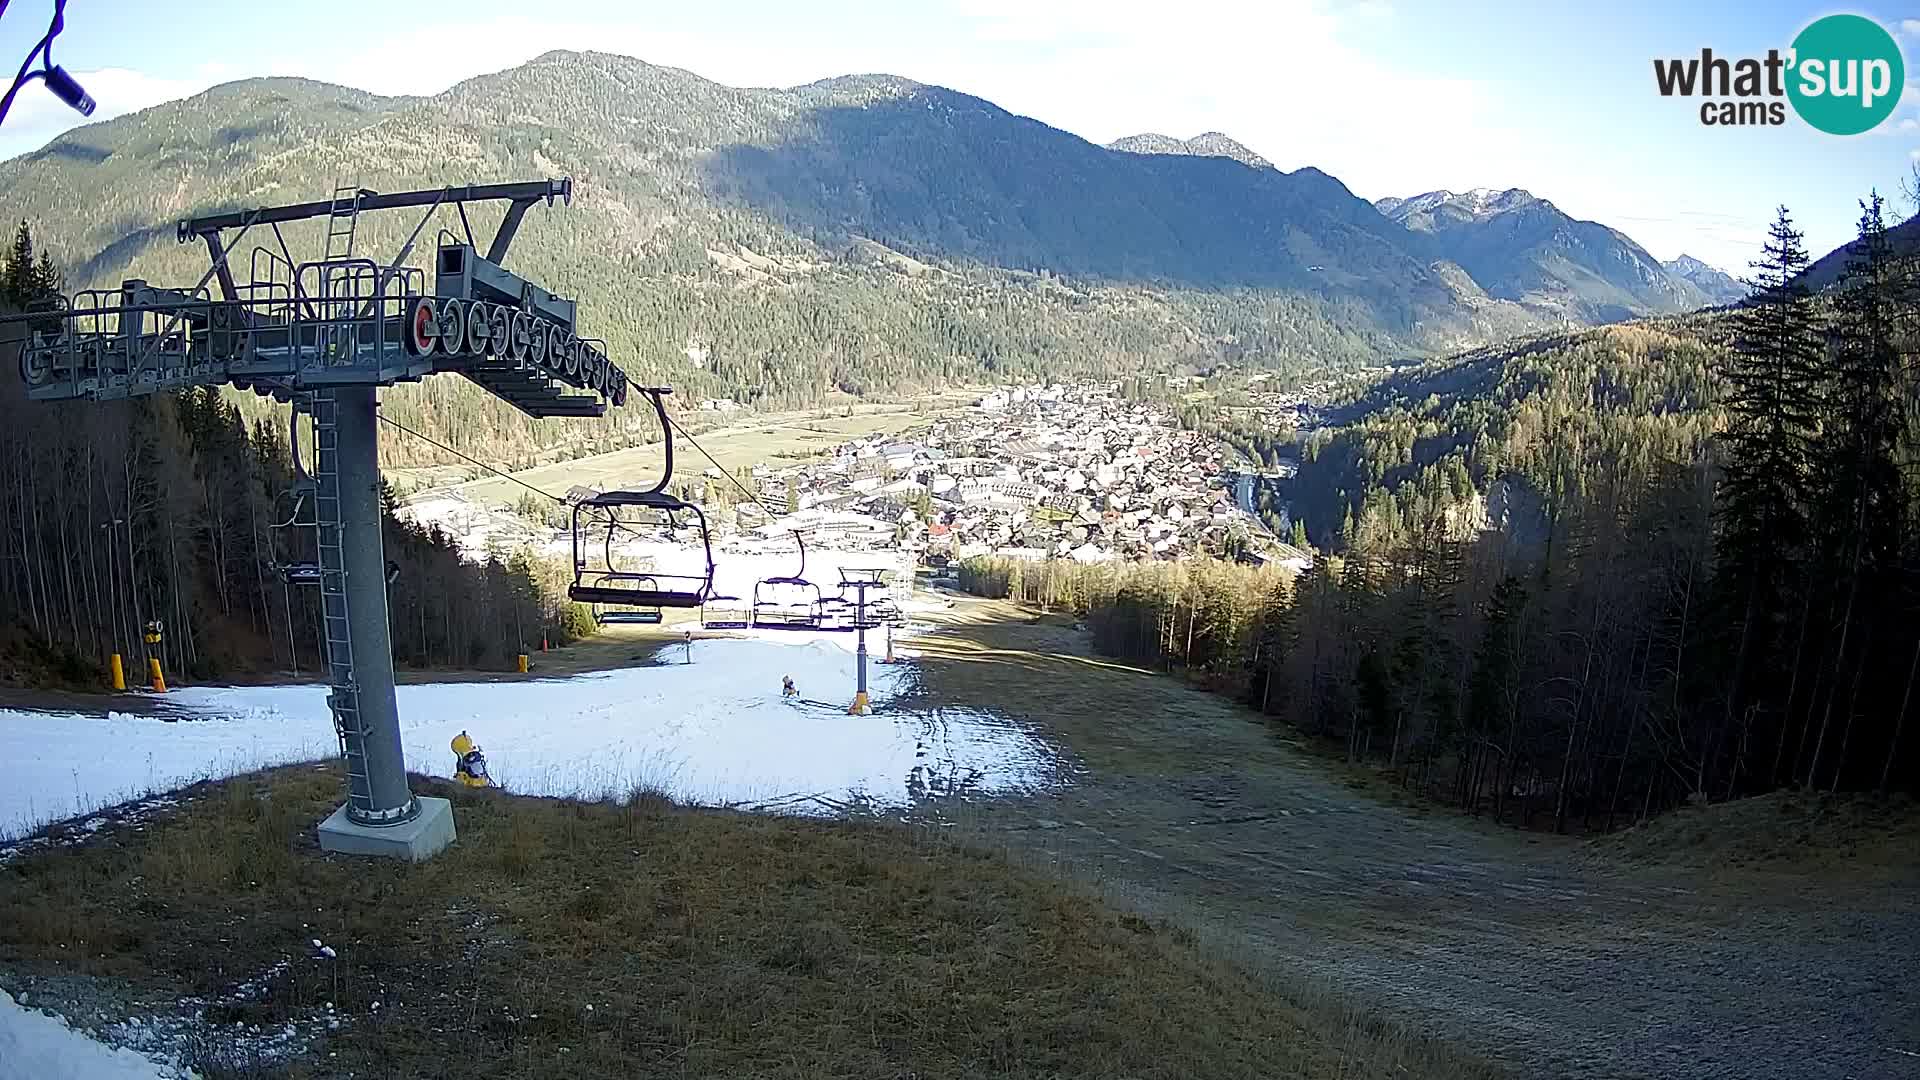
469	765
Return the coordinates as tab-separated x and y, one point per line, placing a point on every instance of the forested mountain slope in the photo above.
1545	413
863	234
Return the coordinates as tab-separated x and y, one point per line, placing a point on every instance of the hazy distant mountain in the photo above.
1209	144
1718	285
1523	248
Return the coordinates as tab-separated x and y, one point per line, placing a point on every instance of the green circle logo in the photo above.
1846	74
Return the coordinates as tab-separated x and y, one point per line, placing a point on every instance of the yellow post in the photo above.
859	706
119	672
523	663
153	671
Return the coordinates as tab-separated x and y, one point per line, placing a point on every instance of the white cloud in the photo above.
1292	79
1910	27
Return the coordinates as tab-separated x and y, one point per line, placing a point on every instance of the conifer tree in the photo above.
1858	509
1773	383
17	279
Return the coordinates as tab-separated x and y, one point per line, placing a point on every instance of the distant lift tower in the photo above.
860	581
324	335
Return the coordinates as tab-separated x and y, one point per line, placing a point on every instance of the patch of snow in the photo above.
40	1046
713	731
129	815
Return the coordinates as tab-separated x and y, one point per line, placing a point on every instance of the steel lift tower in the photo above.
325	335
860	581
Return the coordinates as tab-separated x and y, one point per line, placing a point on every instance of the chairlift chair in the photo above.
774	613
299	502
770	611
726	613
623	614
836	613
635	514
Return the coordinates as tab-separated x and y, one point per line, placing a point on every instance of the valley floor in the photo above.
1557	957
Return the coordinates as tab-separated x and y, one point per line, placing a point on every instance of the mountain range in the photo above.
1522	248
860	234
1719	286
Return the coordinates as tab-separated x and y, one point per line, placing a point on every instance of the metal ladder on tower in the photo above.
342	219
335	627
336	281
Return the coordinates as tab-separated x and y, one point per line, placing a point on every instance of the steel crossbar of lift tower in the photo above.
325	334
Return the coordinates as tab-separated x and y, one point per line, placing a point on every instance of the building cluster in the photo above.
1038	472
1041	472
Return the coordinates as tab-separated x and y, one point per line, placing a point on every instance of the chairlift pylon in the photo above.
602	581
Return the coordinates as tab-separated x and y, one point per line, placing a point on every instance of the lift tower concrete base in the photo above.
416	839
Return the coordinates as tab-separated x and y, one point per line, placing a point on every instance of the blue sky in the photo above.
1393	97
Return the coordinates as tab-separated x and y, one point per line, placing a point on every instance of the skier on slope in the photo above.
786	687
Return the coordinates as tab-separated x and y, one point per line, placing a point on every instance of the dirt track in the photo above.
1525	947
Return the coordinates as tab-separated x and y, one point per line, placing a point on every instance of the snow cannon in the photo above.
469	764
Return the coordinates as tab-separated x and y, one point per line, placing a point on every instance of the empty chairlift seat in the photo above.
836	613
786	603
618	517
726	613
605	523
647	616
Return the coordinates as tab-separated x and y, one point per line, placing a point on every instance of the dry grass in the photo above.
1785	830
639	939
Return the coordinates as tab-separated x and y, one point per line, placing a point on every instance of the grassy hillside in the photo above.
635	939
